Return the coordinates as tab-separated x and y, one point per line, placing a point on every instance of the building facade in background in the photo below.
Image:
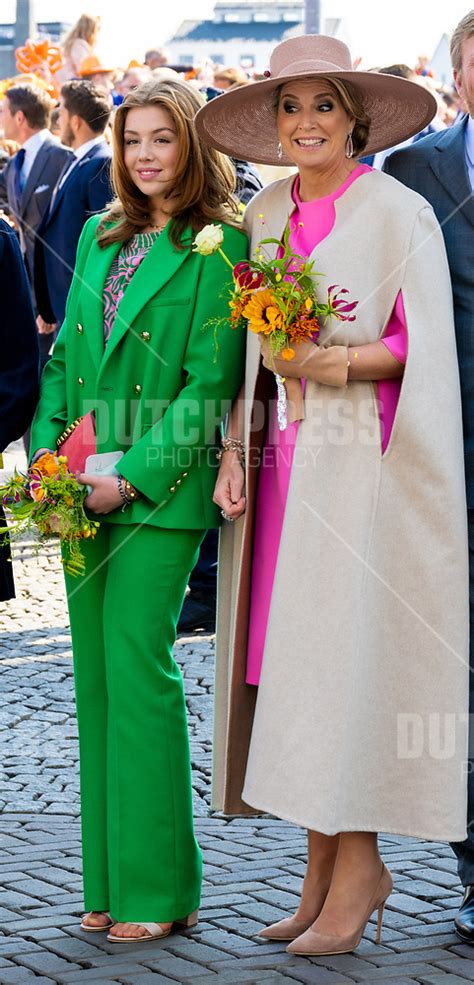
243	33
441	61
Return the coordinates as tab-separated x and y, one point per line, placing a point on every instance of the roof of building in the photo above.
234	31
51	29
263	31
443	45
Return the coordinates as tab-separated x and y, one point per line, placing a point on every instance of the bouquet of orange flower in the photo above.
276	296
49	499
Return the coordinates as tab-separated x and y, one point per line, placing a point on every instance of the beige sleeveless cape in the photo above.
361	717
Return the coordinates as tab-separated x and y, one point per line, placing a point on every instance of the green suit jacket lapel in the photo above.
158	267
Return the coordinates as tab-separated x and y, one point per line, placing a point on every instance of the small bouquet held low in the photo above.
49	500
275	297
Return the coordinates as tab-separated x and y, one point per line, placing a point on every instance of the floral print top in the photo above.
120	274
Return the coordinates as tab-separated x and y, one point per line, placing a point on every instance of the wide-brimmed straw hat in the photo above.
242	122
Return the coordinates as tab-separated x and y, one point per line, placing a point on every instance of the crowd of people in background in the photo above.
82	62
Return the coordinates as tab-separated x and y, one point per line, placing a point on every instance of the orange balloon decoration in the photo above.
40	58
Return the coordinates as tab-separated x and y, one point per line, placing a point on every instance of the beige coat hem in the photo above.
377	827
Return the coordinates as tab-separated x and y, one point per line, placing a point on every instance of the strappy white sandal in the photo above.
95	930
155	930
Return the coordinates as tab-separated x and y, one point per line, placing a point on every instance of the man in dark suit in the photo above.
19	365
30	176
441	168
83	189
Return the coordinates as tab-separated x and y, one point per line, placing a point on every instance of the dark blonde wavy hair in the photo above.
86	29
205	178
462	32
353	105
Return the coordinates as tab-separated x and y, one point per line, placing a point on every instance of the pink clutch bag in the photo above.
78	441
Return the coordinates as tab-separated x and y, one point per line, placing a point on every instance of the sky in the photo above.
378	32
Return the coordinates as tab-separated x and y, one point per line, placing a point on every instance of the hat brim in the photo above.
242	122
100	70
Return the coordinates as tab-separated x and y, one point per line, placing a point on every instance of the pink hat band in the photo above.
310	65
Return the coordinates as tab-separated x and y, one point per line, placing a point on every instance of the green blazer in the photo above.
158	389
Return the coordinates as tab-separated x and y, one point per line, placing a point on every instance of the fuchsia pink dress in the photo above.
310	223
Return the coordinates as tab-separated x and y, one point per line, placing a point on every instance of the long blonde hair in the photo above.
85	29
204	181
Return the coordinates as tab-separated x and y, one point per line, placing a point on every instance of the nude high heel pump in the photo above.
292	927
314	943
286	930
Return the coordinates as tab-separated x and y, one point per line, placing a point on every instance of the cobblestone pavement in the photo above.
253	868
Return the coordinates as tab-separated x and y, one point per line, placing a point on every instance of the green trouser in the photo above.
141	859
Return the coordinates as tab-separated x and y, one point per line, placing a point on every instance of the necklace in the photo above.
158	226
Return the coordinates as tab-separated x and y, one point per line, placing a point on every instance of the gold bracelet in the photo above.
130	491
232	444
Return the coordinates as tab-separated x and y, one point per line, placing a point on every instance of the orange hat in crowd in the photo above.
92	66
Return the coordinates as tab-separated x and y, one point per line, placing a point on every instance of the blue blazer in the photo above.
19	365
87	190
19	362
436	168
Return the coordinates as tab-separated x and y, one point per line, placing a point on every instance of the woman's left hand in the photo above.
328	365
296	368
105	495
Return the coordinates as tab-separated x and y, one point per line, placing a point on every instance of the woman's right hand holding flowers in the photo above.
230	485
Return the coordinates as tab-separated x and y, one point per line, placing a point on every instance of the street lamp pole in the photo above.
25	27
25	24
312	16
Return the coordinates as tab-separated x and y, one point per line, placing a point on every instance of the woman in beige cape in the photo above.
359	721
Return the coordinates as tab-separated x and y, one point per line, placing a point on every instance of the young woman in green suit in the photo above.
134	349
